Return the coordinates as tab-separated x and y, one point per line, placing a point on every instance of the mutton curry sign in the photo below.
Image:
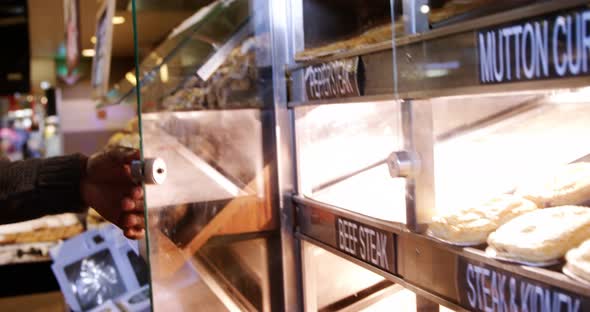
551	46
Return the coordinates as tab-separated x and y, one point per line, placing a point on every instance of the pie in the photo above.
578	261
472	225
45	229
542	235
569	185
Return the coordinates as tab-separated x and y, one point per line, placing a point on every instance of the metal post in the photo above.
285	40
418	139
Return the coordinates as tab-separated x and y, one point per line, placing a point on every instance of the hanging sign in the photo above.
489	289
335	79
366	243
101	64
552	46
71	14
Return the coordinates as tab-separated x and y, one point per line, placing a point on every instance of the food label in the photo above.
551	46
489	289
366	243
335	79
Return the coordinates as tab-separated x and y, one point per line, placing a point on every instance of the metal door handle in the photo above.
403	164
149	171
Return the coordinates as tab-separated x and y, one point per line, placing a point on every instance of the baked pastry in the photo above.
129	140
578	261
132	125
542	235
569	185
372	36
473	225
45	229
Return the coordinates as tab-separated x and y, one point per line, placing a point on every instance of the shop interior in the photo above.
307	155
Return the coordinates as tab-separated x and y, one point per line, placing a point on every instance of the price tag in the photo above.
366	243
335	79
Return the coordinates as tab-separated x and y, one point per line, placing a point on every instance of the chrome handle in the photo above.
149	171
403	164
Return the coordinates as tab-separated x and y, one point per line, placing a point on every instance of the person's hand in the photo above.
108	187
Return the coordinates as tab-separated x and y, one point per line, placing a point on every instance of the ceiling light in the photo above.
131	78
164	73
424	9
118	20
45	85
93	39
88	52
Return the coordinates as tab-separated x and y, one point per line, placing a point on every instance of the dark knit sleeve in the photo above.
33	188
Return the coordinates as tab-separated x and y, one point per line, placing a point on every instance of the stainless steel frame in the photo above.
284	43
417	125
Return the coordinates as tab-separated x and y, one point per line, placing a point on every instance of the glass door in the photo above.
205	103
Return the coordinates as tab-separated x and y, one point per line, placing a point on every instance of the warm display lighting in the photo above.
164	73
93	39
118	20
88	52
131	78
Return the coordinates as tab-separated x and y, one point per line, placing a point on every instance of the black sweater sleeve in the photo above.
33	188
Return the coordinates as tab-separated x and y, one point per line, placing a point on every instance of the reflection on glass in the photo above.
205	93
513	141
342	151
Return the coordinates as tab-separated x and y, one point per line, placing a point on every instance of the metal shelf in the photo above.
420	67
394	278
432	269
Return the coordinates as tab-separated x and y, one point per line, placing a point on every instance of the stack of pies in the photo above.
471	226
541	236
569	185
372	36
578	262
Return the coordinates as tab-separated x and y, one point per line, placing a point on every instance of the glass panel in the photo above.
342	150
351	287
206	102
334	26
488	145
508	138
436	14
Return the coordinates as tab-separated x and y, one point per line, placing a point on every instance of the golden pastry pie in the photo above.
45	229
542	235
129	140
473	225
569	185
578	261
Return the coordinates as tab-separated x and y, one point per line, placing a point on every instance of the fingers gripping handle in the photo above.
149	171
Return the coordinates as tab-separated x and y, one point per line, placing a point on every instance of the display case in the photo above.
441	154
358	155
205	109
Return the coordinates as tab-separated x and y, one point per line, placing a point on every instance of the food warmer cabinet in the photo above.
310	144
205	104
402	112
